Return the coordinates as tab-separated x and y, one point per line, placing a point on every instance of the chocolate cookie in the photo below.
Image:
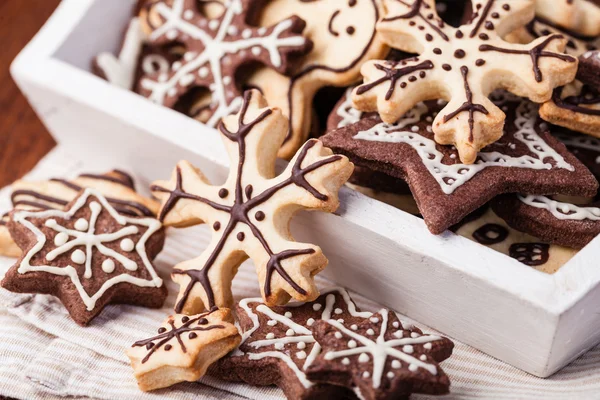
589	69
88	256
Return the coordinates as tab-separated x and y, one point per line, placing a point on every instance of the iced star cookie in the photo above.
461	65
344	37
278	346
250	213
215	49
447	190
183	349
88	256
116	185
380	358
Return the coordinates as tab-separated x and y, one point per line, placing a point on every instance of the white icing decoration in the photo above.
303	336
270	335
370	332
374	320
450	177
338	335
408	349
78	256
346	361
301	355
396	364
290	332
427	346
214	50
341	321
354	327
366	375
272	323
399	334
381	348
423	357
288	314
414	335
363	358
347	112
413	367
352	343
108	266
127	244
582	142
560	210
317	306
61	239
338	311
390	375
81	224
90	240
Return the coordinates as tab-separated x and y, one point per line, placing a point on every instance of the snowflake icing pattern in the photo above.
216	46
462	65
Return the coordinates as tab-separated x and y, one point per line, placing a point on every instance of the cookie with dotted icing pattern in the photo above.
380	358
88	256
344	37
183	349
250	213
278	345
118	187
526	159
581	16
462	65
215	48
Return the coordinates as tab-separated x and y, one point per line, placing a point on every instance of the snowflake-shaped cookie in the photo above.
215	49
380	357
183	349
462	65
251	211
88	256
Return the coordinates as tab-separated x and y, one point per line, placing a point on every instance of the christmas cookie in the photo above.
183	349
116	185
250	213
579	16
344	37
462	65
487	229
278	346
88	256
379	357
215	48
589	69
526	159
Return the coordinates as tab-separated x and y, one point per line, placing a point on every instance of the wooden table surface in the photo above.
23	138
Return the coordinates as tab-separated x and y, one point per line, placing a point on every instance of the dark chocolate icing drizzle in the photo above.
574	103
532	254
241	209
490	234
392	75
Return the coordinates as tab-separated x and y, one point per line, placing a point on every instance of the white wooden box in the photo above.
534	321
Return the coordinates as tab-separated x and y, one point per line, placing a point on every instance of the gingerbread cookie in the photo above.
526	159
580	16
344	37
251	211
487	229
278	346
215	50
462	65
589	69
56	193
380	357
586	148
88	256
183	349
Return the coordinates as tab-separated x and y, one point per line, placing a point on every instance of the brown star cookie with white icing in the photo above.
56	193
462	65
88	256
278	345
250	213
380	357
344	37
183	349
579	16
215	49
526	159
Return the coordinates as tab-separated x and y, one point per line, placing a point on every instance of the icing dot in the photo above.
259	216
413	367
374	320
399	334
407	349
241	236
172	34
354	327
290	332
189	56
185	319
390	375
127	244
345	361
262	31
271	322
317	307
168	347
363	358
108	265
338	335
338	311
61	239
255	50
460	53
396	364
162	330
203	72
188	14
193	335
270	335
232	30
246	33
427	346
414	335
370	332
217	226
341	321
172	92
279	346
310	322
301	355
78	256
366	375
352	344
301	345
423	357
415	128
213	24
81	224
163	77
288	314
176	65
329	356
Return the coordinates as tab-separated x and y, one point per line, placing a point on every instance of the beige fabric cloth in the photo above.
45	355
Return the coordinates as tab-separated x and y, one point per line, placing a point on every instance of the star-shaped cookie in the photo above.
183	349
88	256
380	357
526	159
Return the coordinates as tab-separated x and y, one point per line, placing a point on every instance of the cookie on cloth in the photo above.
344	37
278	345
461	65
250	213
488	229
579	16
215	49
88	256
447	190
56	193
380	358
183	349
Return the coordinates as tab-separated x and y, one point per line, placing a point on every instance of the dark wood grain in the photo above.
23	138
